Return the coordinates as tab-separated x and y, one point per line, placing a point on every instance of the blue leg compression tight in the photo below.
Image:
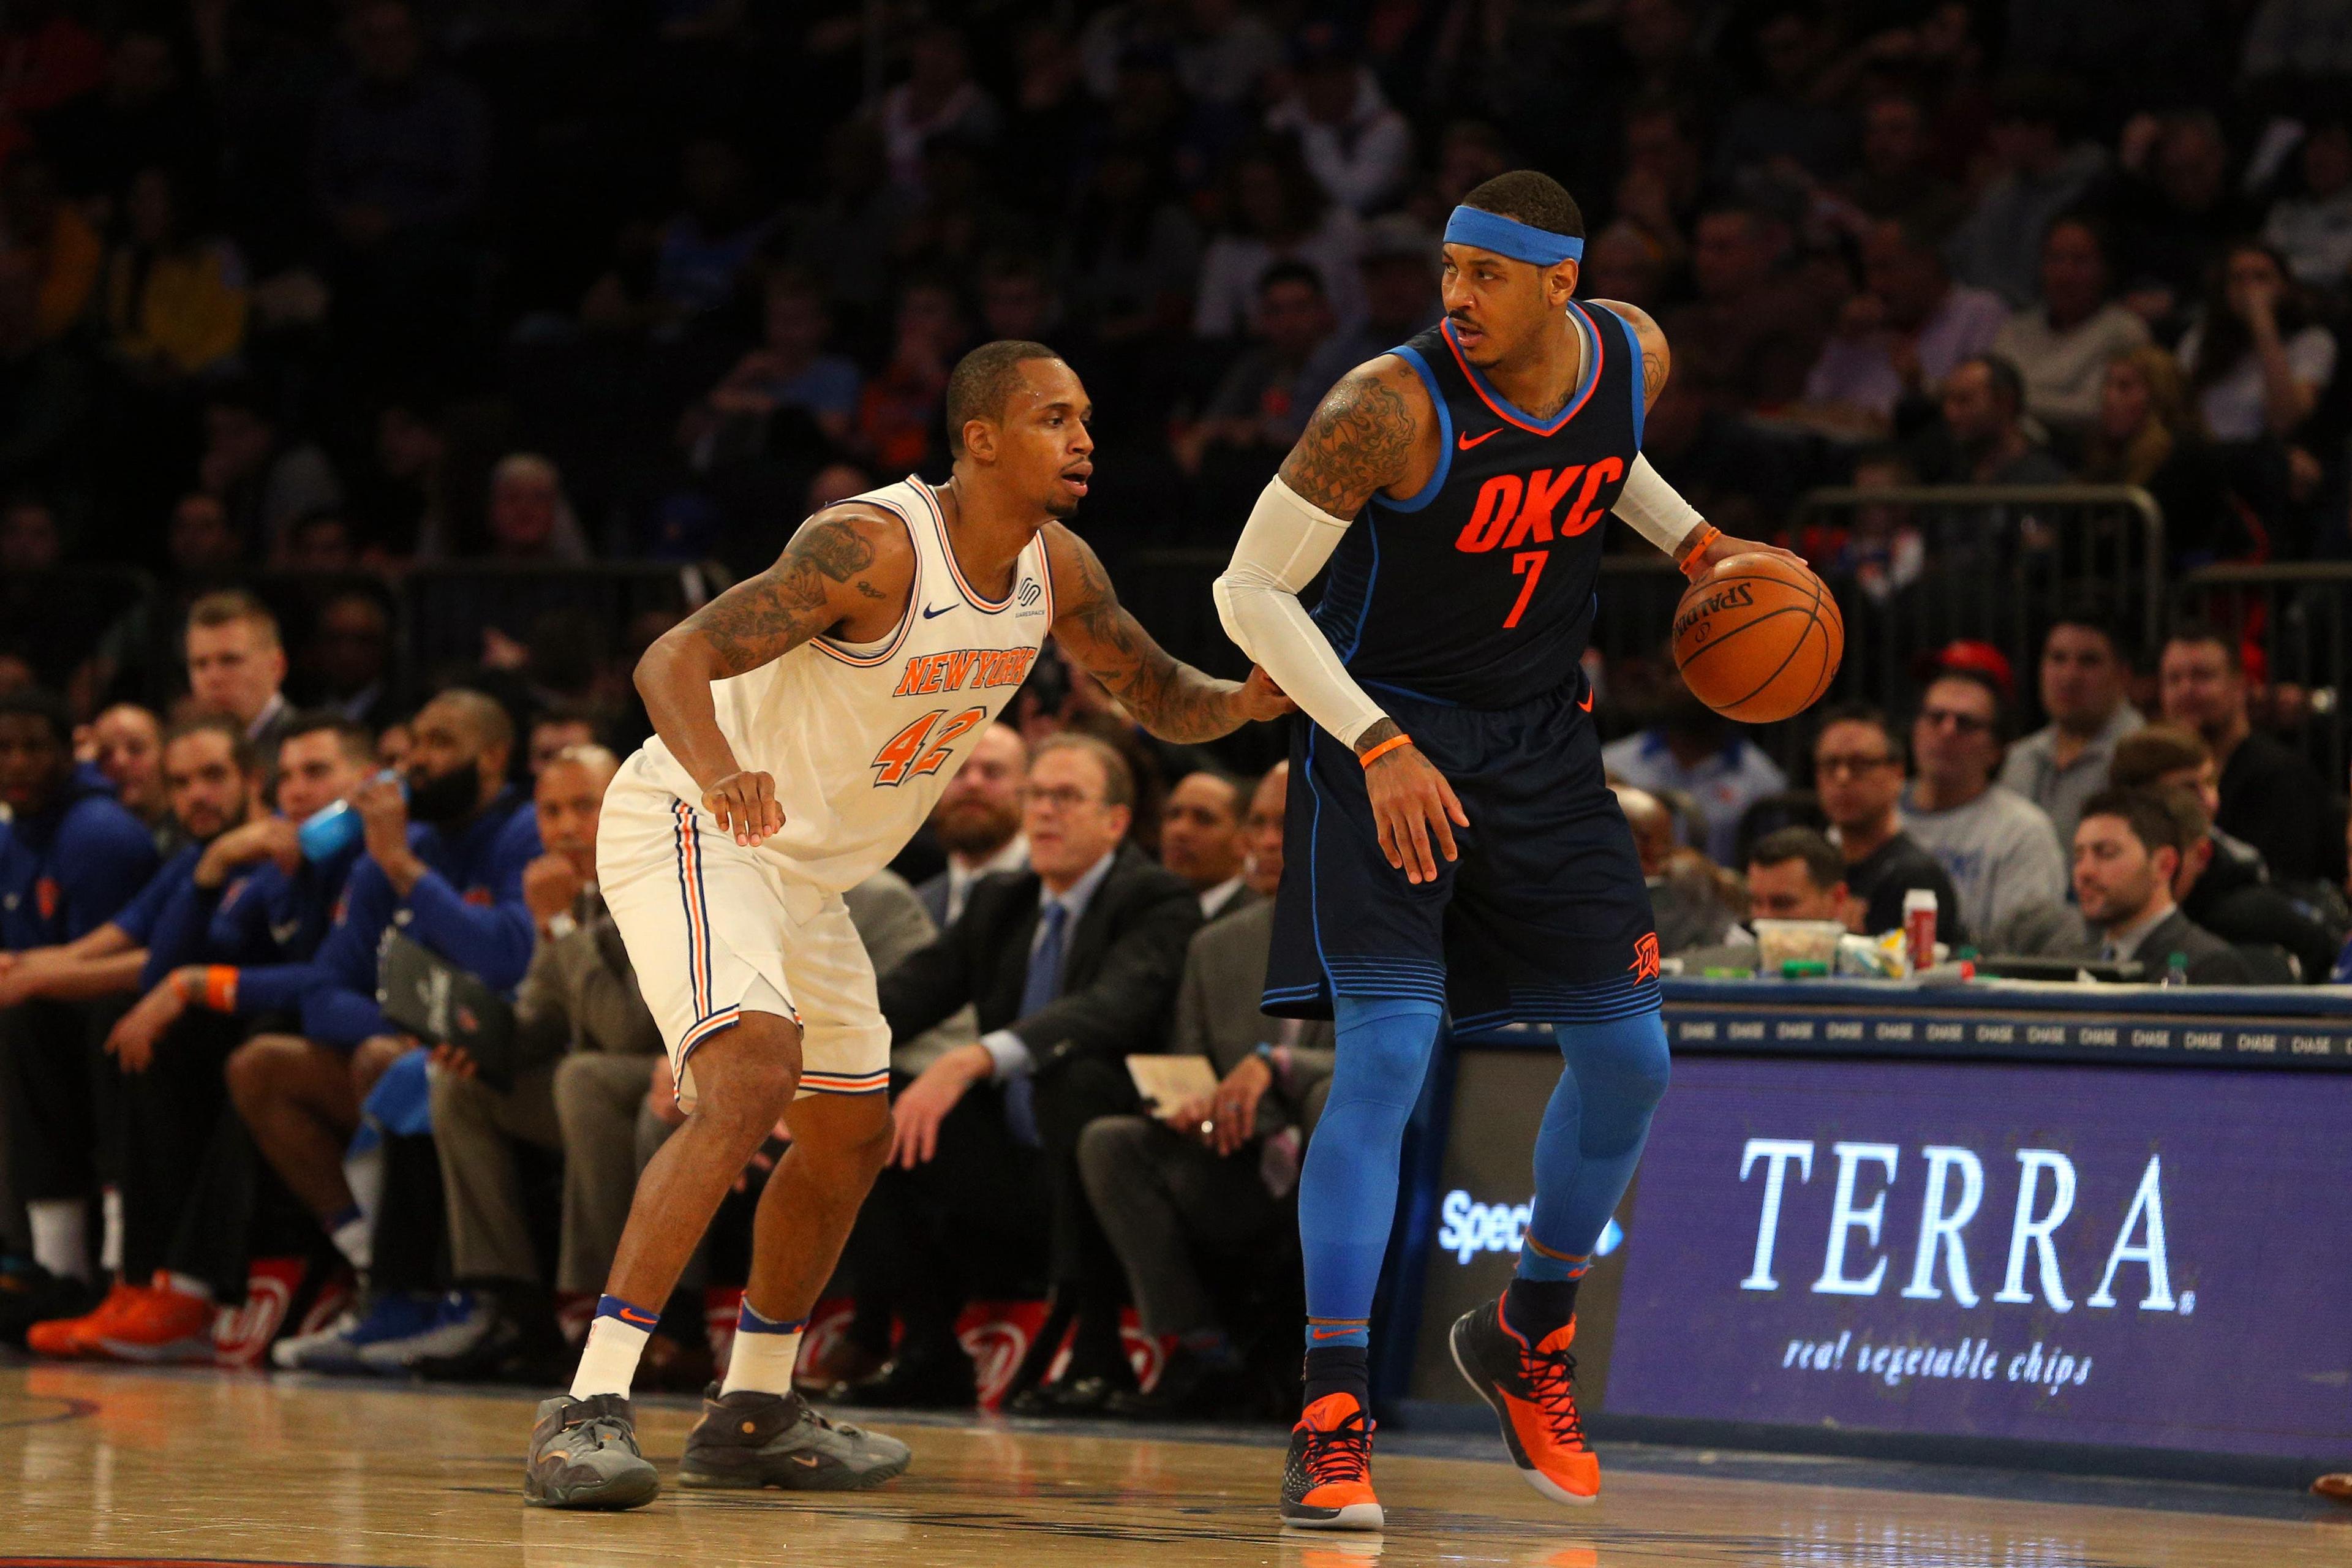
1594	1129
1347	1193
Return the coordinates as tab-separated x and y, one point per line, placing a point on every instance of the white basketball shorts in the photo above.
715	930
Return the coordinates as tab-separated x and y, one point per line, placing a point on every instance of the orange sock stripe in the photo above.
1543	1251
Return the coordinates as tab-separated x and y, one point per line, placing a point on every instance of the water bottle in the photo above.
335	827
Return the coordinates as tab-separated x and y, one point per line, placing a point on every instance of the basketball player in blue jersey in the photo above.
1455	846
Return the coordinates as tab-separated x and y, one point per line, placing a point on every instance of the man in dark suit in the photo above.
1070	966
977	821
1200	840
1214	1174
2126	853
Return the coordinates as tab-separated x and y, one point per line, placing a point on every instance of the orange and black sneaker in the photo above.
67	1338
1532	1388
1328	1482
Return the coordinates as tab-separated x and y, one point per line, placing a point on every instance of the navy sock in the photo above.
1590	1140
1339	1368
1536	1308
1348	1188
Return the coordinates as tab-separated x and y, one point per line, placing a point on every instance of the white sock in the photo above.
109	1234
354	1240
188	1284
61	1236
608	1361
764	1355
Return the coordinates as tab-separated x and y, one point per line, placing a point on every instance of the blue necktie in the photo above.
1043	984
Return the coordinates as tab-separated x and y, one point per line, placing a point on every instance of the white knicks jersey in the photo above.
861	739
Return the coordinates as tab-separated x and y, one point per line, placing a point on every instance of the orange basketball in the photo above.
1758	639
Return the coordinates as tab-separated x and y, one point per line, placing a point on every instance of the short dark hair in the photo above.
1532	198
1863	713
2095	618
2144	812
2152	750
2194	629
240	750
1283	272
983	382
1823	863
1119	778
355	739
1242	790
37	702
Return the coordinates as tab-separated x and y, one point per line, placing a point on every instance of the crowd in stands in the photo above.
204	1062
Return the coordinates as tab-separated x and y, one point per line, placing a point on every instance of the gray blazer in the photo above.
1217	1016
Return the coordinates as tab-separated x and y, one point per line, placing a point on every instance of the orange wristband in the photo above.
220	988
1384	748
1706	535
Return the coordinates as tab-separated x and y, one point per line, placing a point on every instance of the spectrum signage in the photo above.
2113	1256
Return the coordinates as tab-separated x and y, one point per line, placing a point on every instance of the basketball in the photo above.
1758	639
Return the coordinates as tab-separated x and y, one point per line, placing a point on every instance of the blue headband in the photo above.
1509	237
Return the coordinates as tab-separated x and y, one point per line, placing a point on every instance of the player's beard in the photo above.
975	827
1061	508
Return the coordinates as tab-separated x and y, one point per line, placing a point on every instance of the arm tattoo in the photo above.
1358	440
765	617
1653	376
1171	700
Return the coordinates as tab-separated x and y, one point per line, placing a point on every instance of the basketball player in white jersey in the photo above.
805	721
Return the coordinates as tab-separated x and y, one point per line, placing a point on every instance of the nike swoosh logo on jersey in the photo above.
1466	440
1585	703
943	610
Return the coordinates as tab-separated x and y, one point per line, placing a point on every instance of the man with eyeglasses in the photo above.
1998	847
1858	773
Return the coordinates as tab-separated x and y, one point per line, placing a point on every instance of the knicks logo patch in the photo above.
1646	957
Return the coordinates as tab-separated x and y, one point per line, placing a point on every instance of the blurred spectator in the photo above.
2313	227
2085	668
1897	182
720	226
1399	270
51	233
1262	831
405	506
1071	965
49	58
1358	147
1623	263
2269	796
175	300
1016	298
393	742
956	219
236	665
531	519
938	98
977	821
1266	398
321	543
2176	208
148	115
126	744
348	660
401	150
557	730
1795	874
2256	360
1686	898
1902	335
71	857
1858	774
45	388
1791	116
1130	254
2061	345
1757	327
1209	1177
2126	854
1999	848
2297	37
788	370
845	236
1202	840
832	485
264	478
583	1038
2039	173
1692	749
1047	120
2148	436
1665	174
1274	212
1983	439
899	412
1223	51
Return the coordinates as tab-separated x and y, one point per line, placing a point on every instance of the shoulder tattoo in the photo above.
1360	440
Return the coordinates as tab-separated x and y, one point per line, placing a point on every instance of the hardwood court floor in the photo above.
115	1465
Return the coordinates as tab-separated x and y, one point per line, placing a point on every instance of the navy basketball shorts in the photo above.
1544	918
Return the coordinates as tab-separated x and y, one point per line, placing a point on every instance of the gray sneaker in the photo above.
584	1454
749	1439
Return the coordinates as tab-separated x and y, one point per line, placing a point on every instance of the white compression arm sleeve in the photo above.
1285	543
1656	511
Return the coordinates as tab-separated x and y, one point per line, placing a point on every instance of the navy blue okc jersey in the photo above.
1478	591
